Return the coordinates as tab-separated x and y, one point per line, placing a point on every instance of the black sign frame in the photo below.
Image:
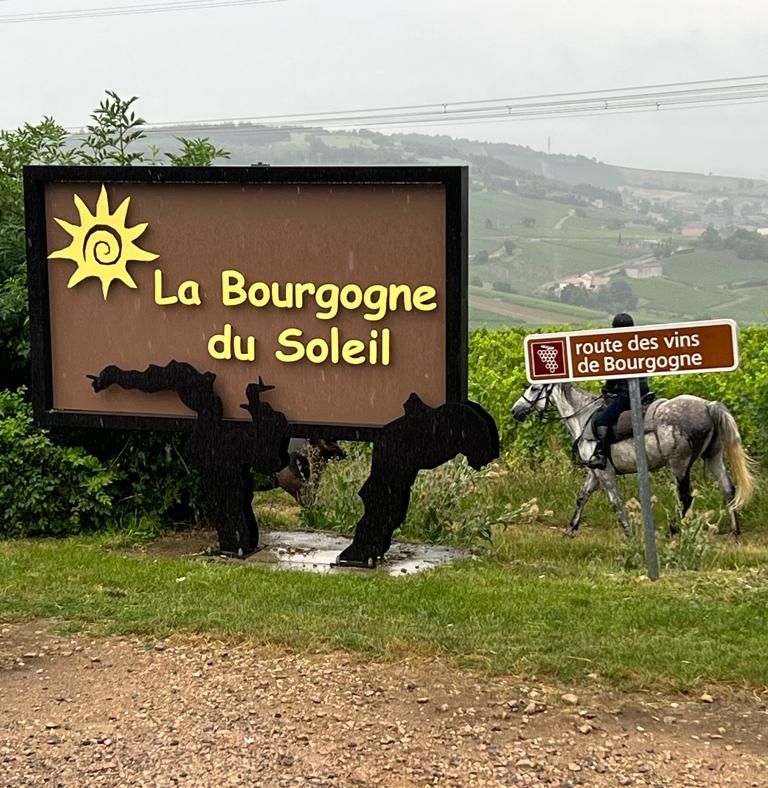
454	179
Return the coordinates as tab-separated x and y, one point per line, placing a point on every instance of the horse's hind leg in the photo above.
686	499
590	485
717	467
680	462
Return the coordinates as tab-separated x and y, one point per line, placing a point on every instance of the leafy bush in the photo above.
45	488
146	472
690	550
437	512
692	546
331	502
497	379
451	504
14	336
152	477
115	136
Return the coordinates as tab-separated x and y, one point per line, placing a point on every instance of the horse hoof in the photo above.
354	563
570	533
357	557
735	538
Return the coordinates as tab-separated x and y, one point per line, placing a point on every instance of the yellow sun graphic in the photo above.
102	245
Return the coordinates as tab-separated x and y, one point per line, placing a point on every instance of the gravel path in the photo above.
118	711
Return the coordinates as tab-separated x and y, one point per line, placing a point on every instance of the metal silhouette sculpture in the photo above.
423	438
223	452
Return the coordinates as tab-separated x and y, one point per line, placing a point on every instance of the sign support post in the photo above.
643	479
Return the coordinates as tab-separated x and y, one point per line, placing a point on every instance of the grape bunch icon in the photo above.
548	356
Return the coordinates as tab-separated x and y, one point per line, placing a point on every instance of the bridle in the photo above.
546	390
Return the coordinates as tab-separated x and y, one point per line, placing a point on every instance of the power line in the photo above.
514	99
650	105
128	10
503	119
613	101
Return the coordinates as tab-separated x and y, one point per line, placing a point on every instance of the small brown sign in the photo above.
638	351
344	288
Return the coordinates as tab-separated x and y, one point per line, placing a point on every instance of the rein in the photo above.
548	389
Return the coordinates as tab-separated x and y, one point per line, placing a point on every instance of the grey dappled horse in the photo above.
678	431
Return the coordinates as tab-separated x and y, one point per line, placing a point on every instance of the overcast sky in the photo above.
302	56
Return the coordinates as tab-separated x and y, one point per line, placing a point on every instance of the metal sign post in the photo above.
643	479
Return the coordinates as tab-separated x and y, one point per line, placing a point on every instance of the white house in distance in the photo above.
587	281
651	269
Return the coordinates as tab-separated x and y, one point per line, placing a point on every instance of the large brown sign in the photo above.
344	288
639	351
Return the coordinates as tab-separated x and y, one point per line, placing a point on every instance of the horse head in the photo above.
537	397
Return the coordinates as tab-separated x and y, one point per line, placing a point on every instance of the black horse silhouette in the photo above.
424	437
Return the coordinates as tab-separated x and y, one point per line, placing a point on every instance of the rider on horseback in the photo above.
615	394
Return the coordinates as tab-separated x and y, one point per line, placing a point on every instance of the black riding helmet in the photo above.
623	320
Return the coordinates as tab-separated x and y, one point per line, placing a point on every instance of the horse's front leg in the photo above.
607	480
590	485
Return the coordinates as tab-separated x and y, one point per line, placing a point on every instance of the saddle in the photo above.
623	428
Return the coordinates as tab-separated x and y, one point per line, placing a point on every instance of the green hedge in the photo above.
497	379
46	488
69	482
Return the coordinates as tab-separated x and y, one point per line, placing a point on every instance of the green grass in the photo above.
549	261
516	618
677	298
506	212
547	312
595	254
485	318
753	309
531	603
562	311
704	268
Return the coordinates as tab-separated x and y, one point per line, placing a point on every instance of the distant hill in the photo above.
250	144
693	182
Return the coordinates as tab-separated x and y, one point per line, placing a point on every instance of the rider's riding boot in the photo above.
599	460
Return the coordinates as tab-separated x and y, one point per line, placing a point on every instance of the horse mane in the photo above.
578	389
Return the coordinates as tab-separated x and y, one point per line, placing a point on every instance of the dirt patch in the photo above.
181	544
526	313
76	711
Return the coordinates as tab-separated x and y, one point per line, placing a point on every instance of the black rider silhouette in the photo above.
615	394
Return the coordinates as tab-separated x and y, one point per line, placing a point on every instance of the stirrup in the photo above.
597	462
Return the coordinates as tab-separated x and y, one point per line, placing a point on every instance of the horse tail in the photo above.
741	463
